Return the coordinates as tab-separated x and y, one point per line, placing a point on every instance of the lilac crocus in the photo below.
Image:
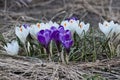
44	37
66	39
55	34
55	37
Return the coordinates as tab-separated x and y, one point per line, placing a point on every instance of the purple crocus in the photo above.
55	34
61	29
44	37
66	39
55	37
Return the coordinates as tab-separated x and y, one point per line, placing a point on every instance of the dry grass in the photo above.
26	68
29	11
22	10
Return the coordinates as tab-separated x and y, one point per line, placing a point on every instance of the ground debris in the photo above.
27	68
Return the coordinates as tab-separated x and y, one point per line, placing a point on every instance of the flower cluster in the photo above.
61	34
74	25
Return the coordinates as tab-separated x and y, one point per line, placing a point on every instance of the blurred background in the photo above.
31	11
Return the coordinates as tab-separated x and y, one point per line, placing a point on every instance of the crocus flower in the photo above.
55	37
22	33
66	39
70	24
107	28
65	24
44	37
82	27
61	29
48	25
35	28
12	48
73	22
55	34
117	29
53	24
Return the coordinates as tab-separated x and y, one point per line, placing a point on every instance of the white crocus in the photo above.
82	28
70	25
117	29
73	24
66	25
46	26
35	28
12	48
53	24
32	30
107	28
22	33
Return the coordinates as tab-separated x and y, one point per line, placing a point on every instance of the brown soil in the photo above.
26	68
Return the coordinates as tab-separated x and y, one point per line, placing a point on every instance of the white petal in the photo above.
12	48
22	35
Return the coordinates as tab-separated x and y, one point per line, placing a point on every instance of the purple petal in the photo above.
41	39
47	36
68	44
55	35
68	32
61	29
71	43
61	37
53	28
72	18
26	25
67	37
41	32
44	37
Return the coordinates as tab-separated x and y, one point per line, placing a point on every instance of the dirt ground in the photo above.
26	68
14	12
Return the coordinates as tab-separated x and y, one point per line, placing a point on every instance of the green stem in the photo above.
51	46
49	54
26	51
62	56
58	50
84	50
67	59
94	52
